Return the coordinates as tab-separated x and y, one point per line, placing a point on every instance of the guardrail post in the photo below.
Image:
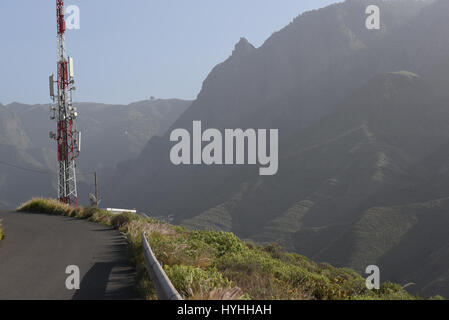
164	288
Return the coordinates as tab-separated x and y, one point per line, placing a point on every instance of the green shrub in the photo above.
2	235
189	280
253	265
274	250
222	242
391	291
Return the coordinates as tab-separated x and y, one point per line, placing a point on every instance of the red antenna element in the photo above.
68	138
60	16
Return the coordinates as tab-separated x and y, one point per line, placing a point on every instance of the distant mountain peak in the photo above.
243	47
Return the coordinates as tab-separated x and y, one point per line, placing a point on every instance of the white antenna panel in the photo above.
51	86
71	68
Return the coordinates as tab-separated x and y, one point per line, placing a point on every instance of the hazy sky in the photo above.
130	50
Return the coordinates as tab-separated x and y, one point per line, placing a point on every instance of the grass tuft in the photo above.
47	206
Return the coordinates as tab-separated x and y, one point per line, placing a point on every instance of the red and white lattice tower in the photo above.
67	137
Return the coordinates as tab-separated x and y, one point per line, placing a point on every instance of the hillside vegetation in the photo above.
218	265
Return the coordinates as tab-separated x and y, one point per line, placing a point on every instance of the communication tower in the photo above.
62	110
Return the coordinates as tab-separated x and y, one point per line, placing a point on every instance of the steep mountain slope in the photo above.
11	129
352	131
408	242
403	226
386	146
300	73
331	168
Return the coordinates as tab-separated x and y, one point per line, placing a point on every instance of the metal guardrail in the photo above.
164	288
119	211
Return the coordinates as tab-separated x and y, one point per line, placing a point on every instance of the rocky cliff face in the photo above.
301	73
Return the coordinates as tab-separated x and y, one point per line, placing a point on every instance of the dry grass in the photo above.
219	294
48	206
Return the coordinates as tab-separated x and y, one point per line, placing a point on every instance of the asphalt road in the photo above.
38	248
